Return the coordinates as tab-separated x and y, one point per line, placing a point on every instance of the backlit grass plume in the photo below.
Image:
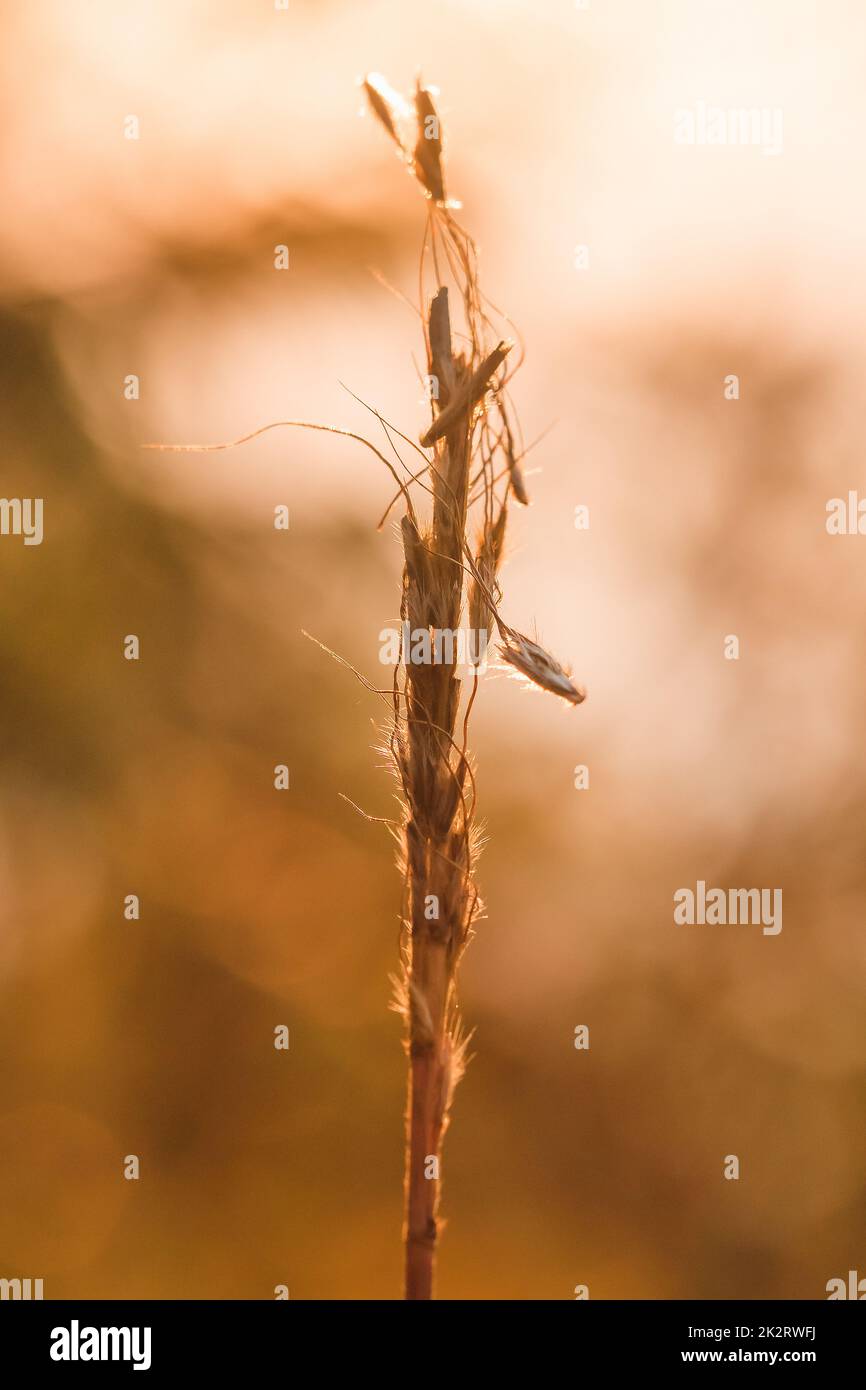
452	560
453	535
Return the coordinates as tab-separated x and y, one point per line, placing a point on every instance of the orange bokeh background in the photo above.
155	257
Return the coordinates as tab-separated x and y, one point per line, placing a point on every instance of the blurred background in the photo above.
155	257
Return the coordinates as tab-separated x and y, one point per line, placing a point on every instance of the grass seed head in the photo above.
387	105
428	150
529	659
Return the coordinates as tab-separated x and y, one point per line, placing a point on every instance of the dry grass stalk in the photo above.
470	434
471	468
